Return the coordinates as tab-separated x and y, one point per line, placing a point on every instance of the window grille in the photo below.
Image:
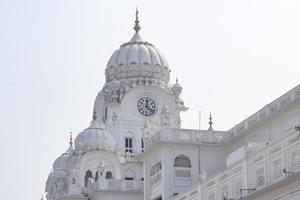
183	173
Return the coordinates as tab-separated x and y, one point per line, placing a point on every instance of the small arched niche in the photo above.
88	174
108	175
182	161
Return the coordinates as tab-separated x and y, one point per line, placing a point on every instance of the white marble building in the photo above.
134	148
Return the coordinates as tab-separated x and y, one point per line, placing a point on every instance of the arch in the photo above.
105	114
96	176
88	174
109	175
156	168
182	161
90	161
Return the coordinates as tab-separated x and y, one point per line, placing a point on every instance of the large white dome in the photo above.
136	60
95	138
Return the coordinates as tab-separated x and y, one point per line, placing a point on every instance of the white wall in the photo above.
212	159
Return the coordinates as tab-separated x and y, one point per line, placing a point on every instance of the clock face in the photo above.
146	106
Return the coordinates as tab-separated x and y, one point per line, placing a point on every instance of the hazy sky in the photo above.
232	57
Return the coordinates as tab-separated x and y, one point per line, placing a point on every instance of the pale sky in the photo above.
232	57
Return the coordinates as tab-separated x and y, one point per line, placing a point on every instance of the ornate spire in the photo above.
210	122
71	139
94	114
137	25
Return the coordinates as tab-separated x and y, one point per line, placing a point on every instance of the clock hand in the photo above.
150	108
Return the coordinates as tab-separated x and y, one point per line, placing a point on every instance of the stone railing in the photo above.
258	171
129	155
186	136
114	185
155	178
125	185
270	109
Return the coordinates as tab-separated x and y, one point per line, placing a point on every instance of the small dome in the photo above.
61	163
95	138
137	59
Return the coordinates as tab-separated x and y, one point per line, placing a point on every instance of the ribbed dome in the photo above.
95	138
61	163
137	59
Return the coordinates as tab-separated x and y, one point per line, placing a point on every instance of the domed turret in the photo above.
136	60
95	138
61	163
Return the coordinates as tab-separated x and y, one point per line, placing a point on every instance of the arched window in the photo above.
96	177
109	175
142	145
73	181
105	115
128	145
156	168
182	161
88	174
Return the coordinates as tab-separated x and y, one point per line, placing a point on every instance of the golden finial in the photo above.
71	139
94	114
210	122
137	25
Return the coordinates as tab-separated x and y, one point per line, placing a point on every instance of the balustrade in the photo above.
155	178
186	136
259	170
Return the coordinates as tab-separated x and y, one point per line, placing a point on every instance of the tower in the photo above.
135	103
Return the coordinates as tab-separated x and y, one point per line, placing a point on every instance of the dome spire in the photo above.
71	139
137	25
210	122
94	114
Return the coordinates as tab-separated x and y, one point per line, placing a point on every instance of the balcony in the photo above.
259	170
125	185
186	136
114	185
129	155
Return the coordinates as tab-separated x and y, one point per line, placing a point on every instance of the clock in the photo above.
146	106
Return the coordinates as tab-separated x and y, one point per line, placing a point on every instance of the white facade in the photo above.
135	149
